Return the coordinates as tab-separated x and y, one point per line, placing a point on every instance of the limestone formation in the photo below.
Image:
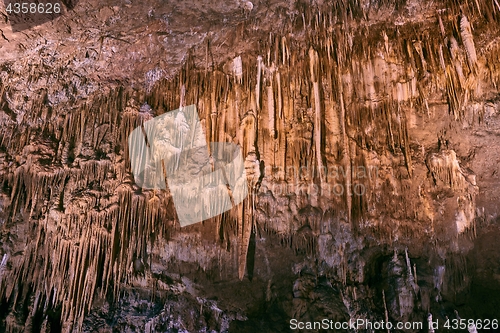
369	133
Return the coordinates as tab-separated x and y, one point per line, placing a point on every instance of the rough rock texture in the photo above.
370	131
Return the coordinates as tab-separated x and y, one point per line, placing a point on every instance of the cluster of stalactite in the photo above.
339	101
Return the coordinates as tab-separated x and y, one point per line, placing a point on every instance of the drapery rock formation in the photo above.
369	132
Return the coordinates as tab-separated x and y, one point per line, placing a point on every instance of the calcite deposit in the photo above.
370	135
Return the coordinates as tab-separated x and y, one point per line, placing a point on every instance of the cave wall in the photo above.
369	134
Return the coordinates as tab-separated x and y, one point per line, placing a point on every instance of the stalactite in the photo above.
441	58
468	40
455	53
257	86
405	145
270	102
418	48
345	148
238	69
411	278
314	71
454	93
248	131
244	231
3	263
280	99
